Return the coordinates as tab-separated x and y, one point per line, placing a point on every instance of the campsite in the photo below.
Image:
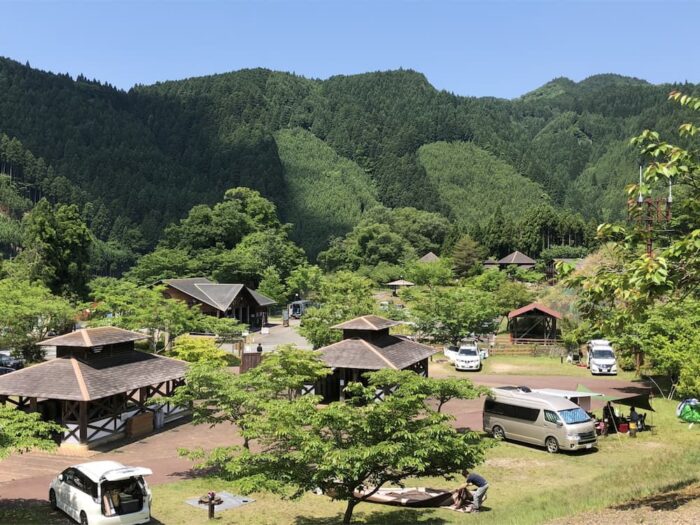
311	263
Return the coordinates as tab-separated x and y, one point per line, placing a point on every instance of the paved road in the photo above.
280	335
28	476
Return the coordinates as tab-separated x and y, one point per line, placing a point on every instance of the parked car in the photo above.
11	362
6	370
103	493
602	360
468	358
484	353
450	352
539	419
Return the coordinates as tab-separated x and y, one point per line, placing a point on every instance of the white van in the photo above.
103	493
601	357
539	419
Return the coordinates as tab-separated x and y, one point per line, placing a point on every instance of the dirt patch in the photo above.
677	507
506	368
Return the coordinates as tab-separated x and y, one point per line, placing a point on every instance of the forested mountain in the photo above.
323	151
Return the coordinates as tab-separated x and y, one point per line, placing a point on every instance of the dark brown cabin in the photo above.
221	300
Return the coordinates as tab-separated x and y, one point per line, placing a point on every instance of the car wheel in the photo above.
498	433
83	518
552	445
52	500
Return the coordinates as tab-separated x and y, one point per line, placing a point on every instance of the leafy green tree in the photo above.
256	252
630	290
162	263
24	431
198	349
217	396
437	273
349	446
366	245
28	313
62	242
449	314
271	285
511	295
343	296
467	256
304	281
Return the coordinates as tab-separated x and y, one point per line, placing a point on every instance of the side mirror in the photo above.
560	424
60	477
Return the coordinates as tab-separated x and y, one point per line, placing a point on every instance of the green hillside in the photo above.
141	159
326	193
472	183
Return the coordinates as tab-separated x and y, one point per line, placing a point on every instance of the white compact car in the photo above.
103	493
450	353
468	358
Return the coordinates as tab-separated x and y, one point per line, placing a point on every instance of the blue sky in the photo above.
494	48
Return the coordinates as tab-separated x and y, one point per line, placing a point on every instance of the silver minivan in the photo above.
539	419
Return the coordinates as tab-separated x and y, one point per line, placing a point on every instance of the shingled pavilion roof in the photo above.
391	351
428	258
92	337
535	307
76	380
518	258
367	322
216	295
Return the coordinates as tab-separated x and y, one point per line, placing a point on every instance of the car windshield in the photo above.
467	351
603	354
574	415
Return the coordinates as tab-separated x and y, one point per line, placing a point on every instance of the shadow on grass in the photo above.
396	517
667	499
562	450
36	511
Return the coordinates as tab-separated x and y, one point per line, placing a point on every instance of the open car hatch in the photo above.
125	473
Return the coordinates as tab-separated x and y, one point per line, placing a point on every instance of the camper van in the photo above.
601	357
539	419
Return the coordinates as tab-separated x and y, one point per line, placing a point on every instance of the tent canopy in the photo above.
640	401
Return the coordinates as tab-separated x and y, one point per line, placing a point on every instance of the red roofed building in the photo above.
534	323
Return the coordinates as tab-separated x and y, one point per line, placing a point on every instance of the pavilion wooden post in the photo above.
32	404
83	421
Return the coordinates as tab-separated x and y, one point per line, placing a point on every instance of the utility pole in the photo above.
650	212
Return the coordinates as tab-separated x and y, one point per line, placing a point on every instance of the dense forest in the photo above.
324	153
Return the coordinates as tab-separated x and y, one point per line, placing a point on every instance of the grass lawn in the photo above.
528	485
521	365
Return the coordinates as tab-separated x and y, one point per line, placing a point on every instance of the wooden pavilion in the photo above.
398	284
429	257
367	346
534	323
518	259
98	386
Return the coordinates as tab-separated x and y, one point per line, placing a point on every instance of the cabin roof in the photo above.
390	351
535	307
372	323
216	295
92	337
77	380
516	258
